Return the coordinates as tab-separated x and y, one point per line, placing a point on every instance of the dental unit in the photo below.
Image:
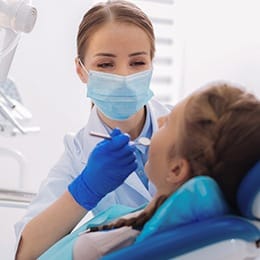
16	17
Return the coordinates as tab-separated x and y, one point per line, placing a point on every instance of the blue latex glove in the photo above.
109	164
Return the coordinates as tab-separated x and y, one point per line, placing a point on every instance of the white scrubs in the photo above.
131	193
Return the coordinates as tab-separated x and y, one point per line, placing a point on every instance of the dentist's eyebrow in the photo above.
105	54
138	53
114	56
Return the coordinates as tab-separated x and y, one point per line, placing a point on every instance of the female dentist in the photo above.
115	45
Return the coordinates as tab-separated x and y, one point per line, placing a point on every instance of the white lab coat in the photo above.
77	149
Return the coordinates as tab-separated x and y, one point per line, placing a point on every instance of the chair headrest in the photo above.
197	199
248	196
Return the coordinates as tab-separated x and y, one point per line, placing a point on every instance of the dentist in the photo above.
116	46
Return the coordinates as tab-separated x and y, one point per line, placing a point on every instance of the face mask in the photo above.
119	97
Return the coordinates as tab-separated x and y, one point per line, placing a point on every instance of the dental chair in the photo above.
227	236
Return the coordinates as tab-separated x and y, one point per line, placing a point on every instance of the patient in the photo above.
213	132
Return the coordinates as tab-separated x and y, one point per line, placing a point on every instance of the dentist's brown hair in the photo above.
112	11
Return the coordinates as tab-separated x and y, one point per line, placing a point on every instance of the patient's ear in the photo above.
80	71
179	171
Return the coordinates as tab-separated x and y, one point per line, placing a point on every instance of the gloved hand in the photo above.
109	164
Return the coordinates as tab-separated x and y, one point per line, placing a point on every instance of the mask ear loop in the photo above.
84	68
82	65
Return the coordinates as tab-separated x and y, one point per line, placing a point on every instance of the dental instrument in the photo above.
140	141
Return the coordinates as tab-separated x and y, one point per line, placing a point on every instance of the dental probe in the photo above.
141	141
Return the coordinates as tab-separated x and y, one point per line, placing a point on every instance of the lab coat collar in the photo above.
156	113
95	124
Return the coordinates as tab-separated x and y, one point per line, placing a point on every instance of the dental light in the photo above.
16	17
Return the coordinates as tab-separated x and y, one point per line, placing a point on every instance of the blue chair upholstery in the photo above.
248	196
191	238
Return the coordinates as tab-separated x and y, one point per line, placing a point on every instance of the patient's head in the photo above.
215	132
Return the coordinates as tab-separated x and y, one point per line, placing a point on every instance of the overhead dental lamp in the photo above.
16	17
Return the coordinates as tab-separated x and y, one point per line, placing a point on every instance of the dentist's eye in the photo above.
105	65
137	63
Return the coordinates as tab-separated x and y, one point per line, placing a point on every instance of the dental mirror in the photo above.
140	141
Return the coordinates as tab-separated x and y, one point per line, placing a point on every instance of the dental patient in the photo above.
214	132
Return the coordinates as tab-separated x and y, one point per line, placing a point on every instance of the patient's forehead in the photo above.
179	109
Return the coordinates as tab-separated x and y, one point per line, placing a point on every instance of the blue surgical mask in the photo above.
119	97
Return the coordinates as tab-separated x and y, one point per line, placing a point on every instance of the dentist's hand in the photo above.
109	164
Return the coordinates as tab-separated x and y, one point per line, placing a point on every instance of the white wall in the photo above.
43	69
222	41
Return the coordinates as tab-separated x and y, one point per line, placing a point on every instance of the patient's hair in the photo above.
135	222
112	11
220	137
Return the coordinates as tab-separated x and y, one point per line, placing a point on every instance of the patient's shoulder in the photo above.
94	245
